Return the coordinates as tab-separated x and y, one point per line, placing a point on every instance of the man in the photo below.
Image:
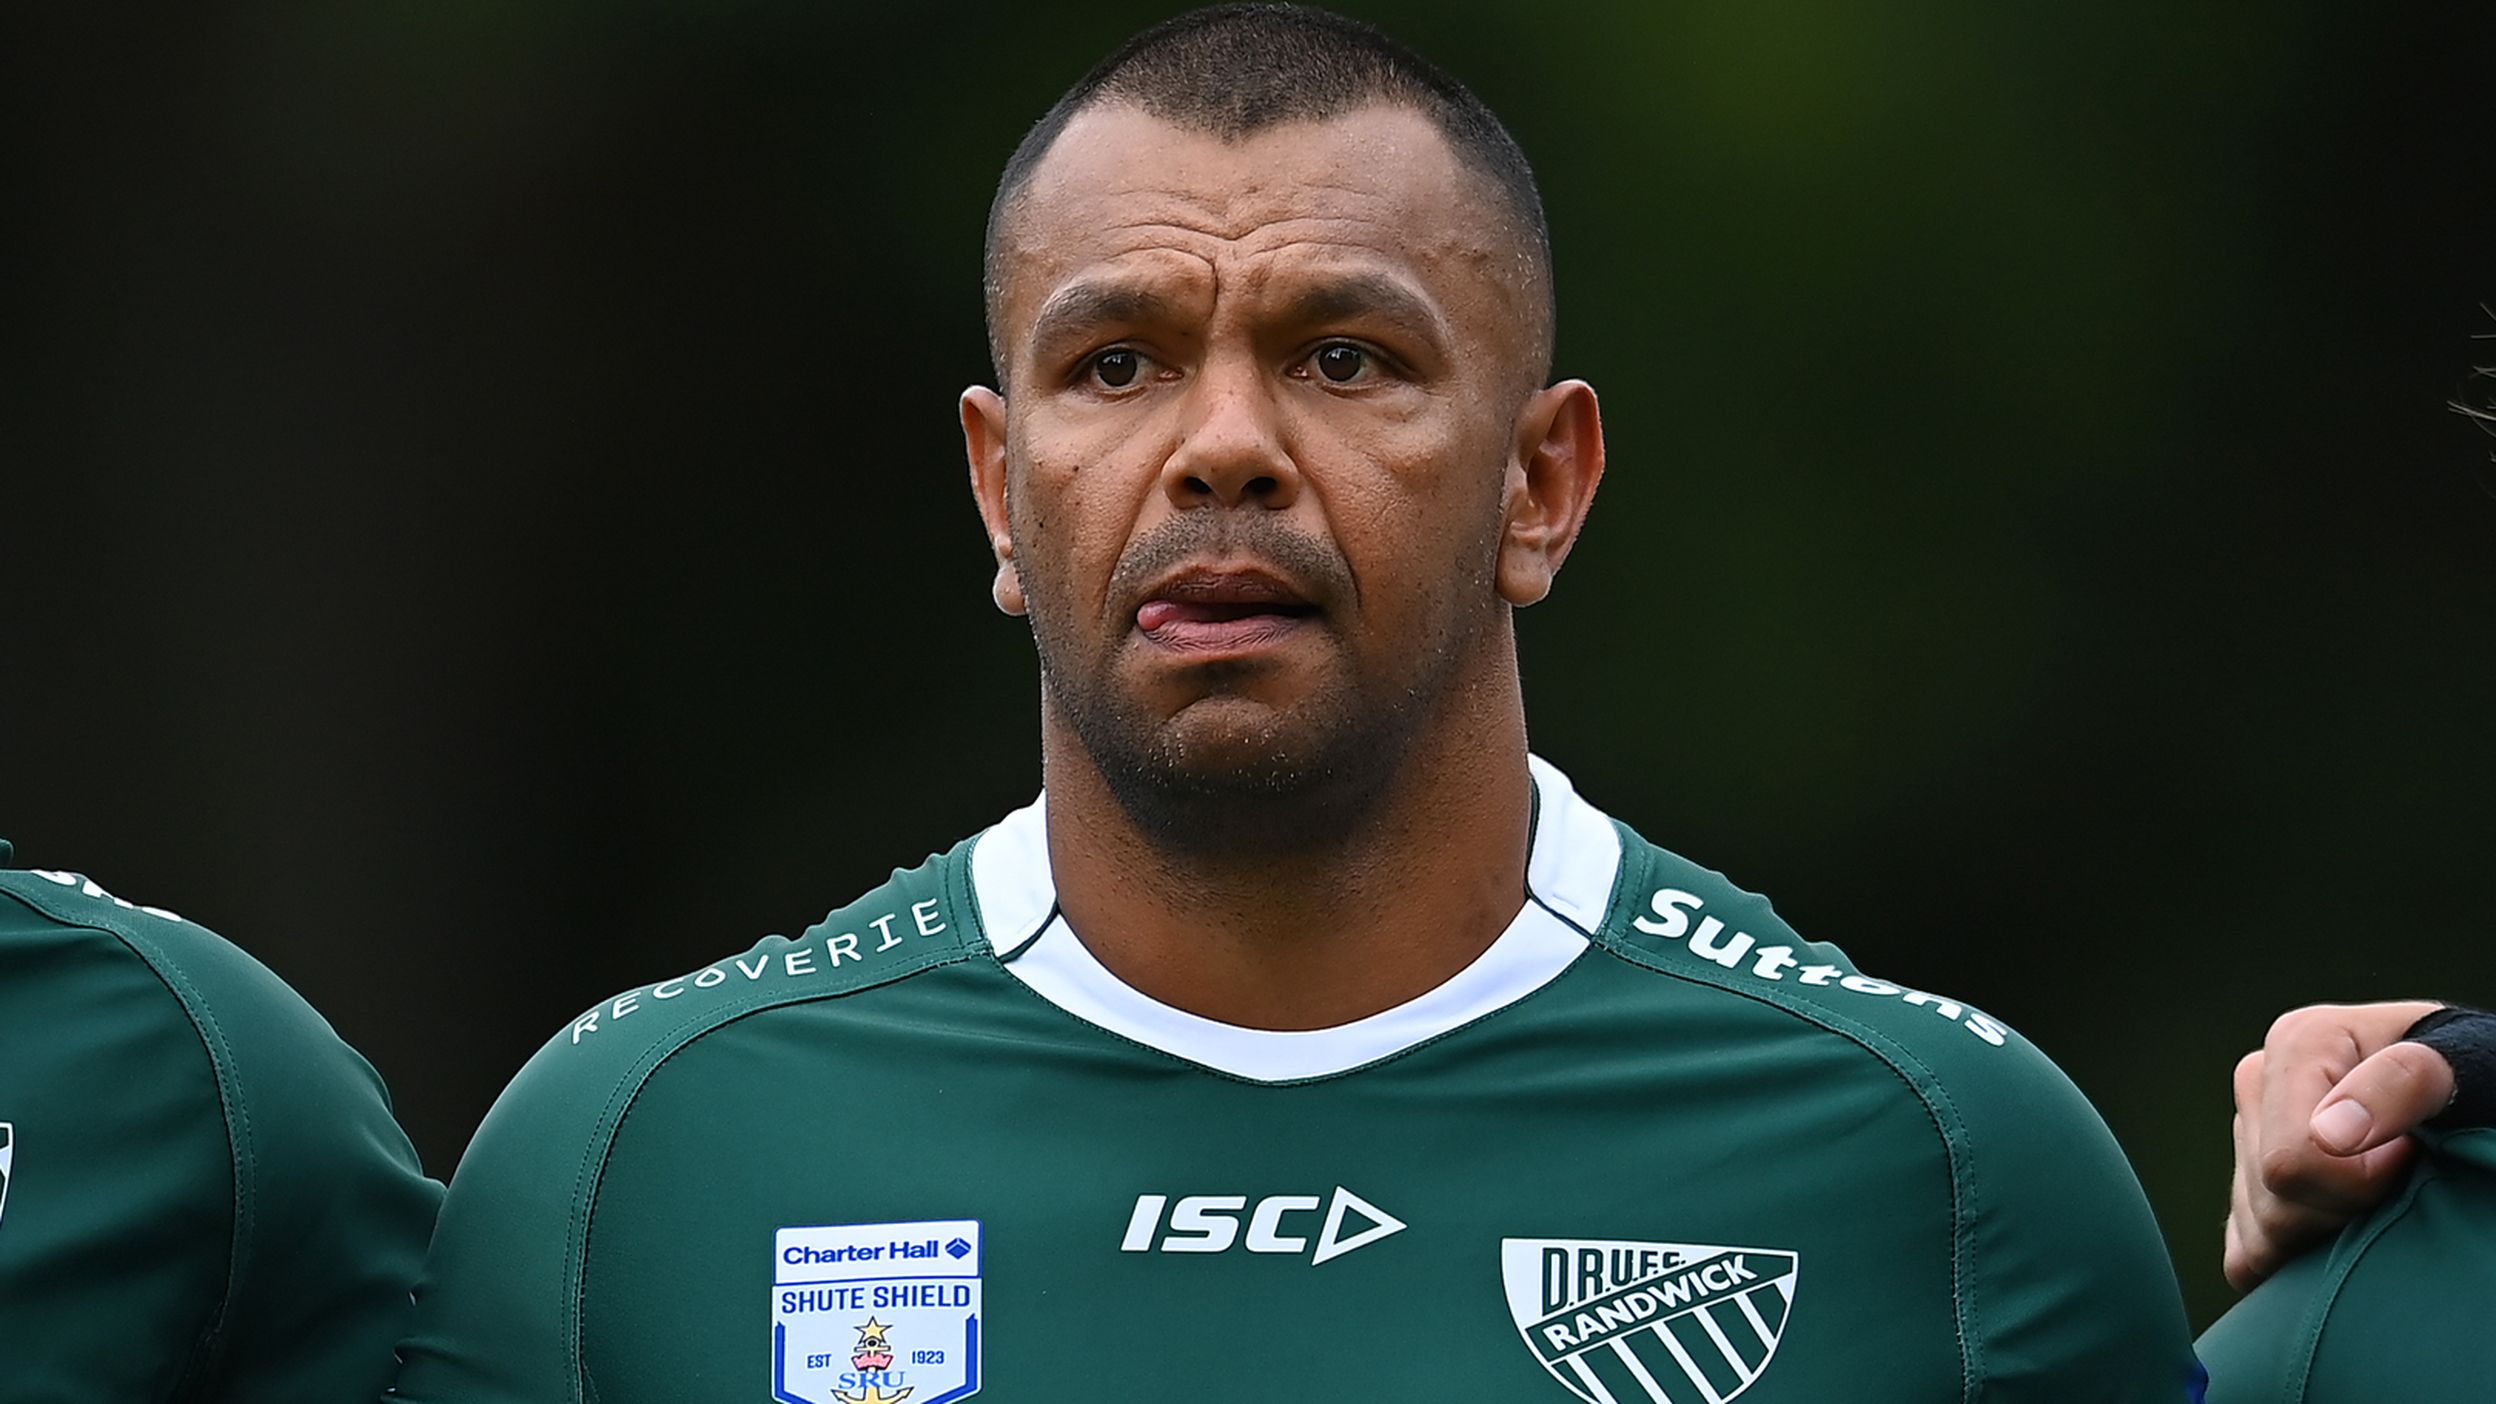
203	1195
2371	1121
1307	1037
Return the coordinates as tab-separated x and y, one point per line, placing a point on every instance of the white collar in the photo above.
1568	875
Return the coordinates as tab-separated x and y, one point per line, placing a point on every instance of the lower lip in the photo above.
1245	634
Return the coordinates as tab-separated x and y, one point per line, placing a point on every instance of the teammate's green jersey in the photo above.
2397	1308
1649	1146
203	1195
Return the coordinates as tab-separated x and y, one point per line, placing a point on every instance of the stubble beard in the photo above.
1202	785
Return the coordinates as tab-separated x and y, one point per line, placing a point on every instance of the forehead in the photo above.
1124	191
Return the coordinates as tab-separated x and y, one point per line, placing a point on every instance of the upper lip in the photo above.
1247	583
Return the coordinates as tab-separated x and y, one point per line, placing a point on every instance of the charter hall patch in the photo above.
875	1313
1624	1322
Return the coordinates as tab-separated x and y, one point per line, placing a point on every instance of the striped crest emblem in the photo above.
1624	1322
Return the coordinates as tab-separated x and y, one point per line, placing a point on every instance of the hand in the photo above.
2323	1113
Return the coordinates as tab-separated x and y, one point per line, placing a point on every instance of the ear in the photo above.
1551	482
983	442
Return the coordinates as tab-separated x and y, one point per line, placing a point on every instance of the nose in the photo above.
1231	452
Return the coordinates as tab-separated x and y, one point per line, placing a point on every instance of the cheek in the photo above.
1421	530
1071	514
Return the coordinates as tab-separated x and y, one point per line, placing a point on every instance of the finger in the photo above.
2247	1085
2287	1192
2237	1260
2383	1098
2306	1054
2300	1178
2232	1263
2263	1229
2385	1164
2268	1229
2247	1255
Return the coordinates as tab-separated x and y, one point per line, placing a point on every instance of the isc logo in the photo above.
1210	1223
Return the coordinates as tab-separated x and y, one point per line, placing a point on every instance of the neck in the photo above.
1315	937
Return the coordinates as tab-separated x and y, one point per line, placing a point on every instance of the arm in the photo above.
334	1212
115	1201
330	1210
2072	1296
2060	1286
497	1310
216	1202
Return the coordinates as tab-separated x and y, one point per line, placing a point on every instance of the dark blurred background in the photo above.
484	526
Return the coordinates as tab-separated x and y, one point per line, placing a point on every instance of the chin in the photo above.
1231	745
1234	779
1241	765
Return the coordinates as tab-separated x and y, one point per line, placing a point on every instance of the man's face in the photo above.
1261	423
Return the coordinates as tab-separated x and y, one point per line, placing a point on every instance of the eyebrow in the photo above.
1345	296
1075	310
1085	305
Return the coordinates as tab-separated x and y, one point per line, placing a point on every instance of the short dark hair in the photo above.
1236	70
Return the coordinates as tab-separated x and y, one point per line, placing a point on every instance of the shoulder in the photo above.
570	1097
198	1125
1704	941
116	1144
1691	925
2392	1307
161	977
286	1086
78	964
2056	1252
918	919
500	1301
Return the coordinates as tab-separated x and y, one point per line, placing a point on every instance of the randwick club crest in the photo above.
1621	1322
875	1313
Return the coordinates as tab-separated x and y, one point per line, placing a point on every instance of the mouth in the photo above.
1220	611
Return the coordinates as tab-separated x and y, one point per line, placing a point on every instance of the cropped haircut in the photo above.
1236	70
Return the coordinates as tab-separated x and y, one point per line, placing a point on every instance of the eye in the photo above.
1341	362
1117	367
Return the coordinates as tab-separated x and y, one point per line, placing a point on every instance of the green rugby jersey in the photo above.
203	1195
2396	1308
1650	1146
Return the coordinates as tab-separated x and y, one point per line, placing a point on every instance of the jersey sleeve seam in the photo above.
590	1179
1949	1128
233	1109
2318	1316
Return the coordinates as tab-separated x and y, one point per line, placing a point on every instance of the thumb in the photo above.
2383	1098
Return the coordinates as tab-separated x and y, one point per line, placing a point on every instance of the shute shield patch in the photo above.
875	1313
1625	1322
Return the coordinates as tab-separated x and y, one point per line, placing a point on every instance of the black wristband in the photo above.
2467	1039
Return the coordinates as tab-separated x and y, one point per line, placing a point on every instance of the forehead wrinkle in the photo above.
1137	281
1317	284
1260	247
1240	206
1247	227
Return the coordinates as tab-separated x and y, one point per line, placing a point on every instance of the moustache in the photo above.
1311	564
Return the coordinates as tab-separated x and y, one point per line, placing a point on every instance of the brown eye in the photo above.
1117	369
1340	363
